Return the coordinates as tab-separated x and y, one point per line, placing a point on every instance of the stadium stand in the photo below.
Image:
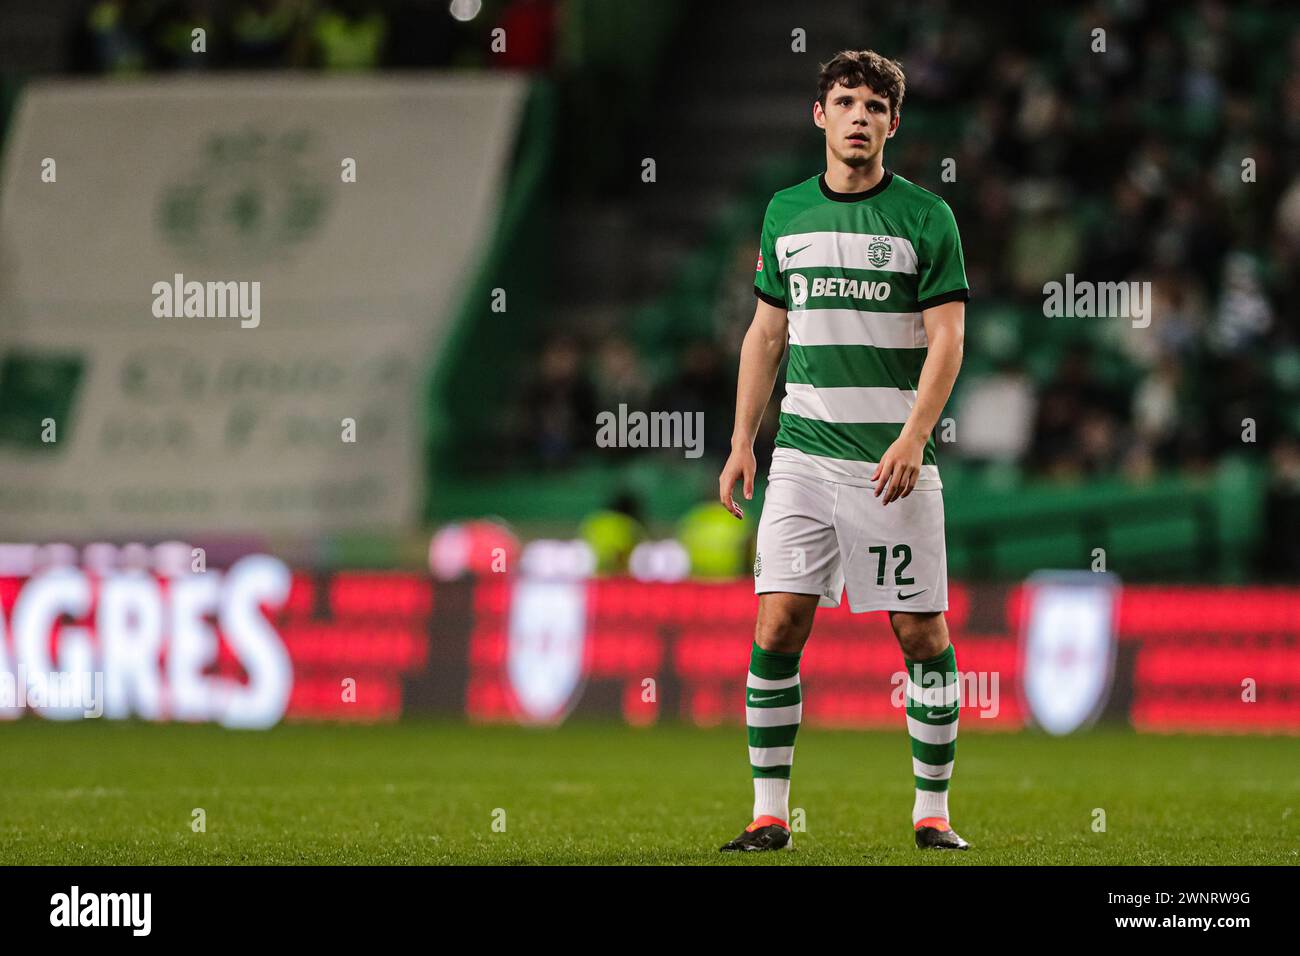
1117	168
1124	169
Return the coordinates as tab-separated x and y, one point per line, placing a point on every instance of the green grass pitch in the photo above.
590	793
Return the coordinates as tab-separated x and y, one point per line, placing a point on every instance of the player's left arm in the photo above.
941	293
900	466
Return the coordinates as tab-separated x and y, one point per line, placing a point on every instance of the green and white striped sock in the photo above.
933	702
773	709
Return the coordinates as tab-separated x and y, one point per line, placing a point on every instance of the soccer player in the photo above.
862	272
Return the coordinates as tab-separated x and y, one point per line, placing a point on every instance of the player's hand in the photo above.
899	469
740	466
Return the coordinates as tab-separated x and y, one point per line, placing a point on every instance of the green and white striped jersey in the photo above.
854	272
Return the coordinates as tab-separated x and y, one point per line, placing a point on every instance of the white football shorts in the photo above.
821	537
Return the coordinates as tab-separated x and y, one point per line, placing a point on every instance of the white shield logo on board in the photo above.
1068	647
545	653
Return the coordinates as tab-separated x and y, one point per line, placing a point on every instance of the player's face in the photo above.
857	123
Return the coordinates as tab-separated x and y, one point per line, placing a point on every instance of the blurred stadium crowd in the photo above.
1170	157
128	36
1123	166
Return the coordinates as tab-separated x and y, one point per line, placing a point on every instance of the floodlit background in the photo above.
462	231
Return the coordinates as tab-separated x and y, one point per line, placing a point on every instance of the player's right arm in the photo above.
760	358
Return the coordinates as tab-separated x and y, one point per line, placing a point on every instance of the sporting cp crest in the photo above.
879	251
1068	647
253	194
545	652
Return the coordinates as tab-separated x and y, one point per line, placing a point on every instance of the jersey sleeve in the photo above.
768	284
940	264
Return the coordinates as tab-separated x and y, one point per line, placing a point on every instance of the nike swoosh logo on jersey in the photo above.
937	773
759	700
791	253
938	715
904	597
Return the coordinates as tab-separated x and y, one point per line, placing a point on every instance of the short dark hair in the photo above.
853	68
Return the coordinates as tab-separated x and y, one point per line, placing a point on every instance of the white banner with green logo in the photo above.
219	298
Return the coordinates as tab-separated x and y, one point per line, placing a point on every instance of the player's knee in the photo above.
782	629
782	640
920	636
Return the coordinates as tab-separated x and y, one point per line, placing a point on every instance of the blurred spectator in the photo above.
267	33
111	40
705	383
619	378
1244	315
1156	409
995	418
1074	432
559	408
1045	244
613	532
719	546
530	34
348	35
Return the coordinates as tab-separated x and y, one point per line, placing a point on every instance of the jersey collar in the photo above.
875	190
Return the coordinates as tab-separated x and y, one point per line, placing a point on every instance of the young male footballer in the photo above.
862	272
